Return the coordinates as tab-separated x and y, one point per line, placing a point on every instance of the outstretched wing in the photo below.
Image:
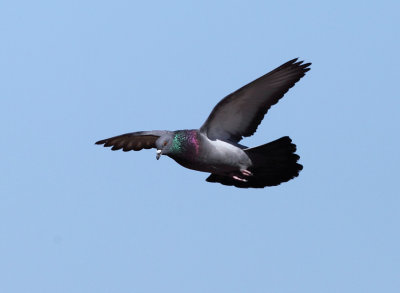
240	113
134	141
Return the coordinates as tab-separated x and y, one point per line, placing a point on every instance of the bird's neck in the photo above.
185	143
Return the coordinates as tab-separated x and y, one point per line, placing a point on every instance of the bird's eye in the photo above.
165	143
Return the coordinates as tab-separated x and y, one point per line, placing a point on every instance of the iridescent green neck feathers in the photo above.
185	142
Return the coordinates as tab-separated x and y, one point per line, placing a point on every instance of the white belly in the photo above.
222	157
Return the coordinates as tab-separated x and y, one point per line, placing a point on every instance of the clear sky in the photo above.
75	217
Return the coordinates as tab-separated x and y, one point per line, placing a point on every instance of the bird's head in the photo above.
164	145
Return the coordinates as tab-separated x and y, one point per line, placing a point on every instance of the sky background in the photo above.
75	217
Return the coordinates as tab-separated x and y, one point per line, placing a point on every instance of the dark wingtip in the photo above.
298	63
306	66
303	66
101	141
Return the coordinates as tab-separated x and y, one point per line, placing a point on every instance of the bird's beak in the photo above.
158	154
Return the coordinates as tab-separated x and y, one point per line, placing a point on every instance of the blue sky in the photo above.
75	217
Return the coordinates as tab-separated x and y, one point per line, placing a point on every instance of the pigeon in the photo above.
214	147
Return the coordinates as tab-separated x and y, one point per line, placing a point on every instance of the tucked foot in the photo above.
239	179
246	173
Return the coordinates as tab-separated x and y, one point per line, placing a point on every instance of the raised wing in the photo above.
240	113
134	141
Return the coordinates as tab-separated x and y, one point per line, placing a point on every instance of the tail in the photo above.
273	163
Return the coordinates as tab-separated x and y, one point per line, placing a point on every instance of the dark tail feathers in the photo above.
273	163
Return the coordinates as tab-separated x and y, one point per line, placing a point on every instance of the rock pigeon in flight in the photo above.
215	148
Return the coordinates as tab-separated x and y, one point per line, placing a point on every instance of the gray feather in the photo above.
240	113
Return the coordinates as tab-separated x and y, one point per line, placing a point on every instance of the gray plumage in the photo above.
215	148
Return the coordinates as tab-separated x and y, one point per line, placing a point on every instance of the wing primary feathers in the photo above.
135	141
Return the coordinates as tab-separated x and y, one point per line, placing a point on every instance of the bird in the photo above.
214	147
